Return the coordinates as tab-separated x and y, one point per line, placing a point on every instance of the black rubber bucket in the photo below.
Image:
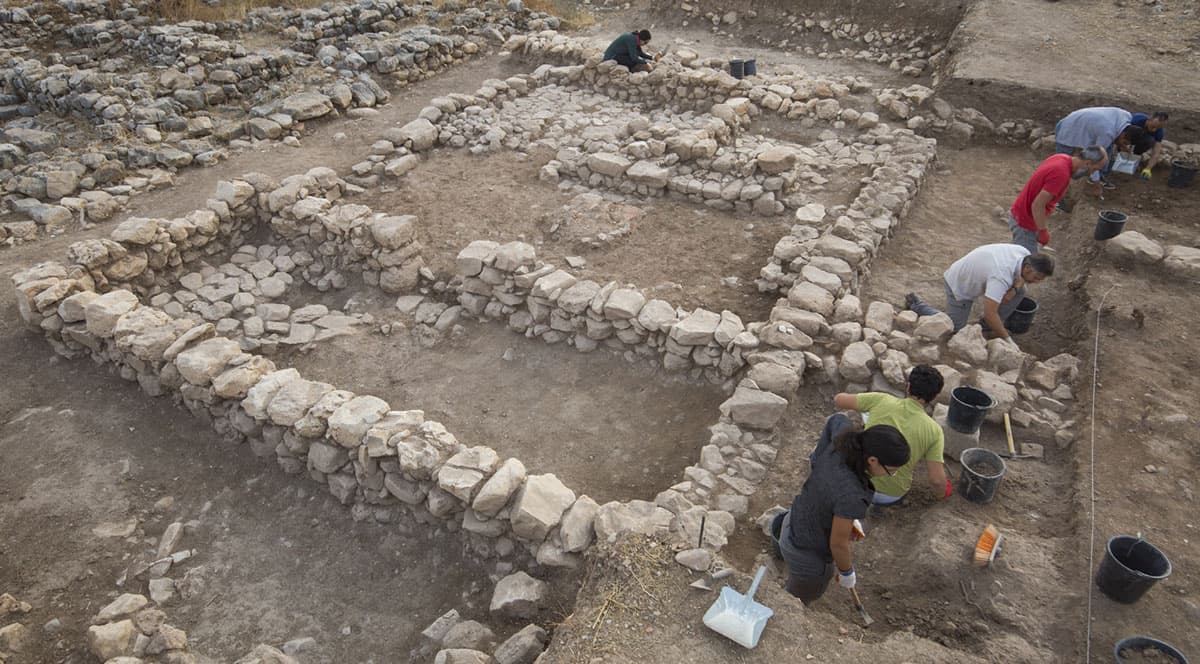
1021	319
1181	175
1131	566
968	407
776	532
750	67
1109	224
737	68
1134	645
982	471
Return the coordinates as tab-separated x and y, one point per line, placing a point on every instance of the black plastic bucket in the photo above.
737	68
776	533
1181	175
1021	319
1109	224
1131	566
968	407
982	471
750	67
1137	644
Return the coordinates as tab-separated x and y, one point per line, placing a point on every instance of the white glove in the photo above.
847	580
1010	341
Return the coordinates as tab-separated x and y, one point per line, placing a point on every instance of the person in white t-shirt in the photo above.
995	272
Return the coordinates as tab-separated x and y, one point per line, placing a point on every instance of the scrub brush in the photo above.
988	546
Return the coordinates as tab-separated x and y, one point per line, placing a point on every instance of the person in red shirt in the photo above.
1047	186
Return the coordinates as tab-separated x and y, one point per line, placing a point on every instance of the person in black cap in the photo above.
627	50
816	534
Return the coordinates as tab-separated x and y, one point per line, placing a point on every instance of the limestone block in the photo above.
832	245
1133	247
623	304
1182	261
1004	394
200	363
136	230
969	345
614	519
123	606
293	400
462	656
811	297
753	408
811	213
934	329
539	506
512	256
350	422
604	163
146	332
422	134
858	362
576	529
775	378
648	173
259	397
469	634
306	105
393	232
112	640
775	160
466	470
499	488
1002	357
326	458
522	647
103	312
781	334
696	329
519	596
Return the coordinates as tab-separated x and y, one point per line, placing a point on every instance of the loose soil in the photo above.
606	428
277	558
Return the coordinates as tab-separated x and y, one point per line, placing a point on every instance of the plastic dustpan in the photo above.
738	617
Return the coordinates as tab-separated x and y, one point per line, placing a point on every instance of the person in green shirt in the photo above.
627	50
924	436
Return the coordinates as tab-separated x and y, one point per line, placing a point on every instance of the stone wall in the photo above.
507	282
389	464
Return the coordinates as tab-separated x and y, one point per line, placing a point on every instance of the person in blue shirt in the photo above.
1155	126
627	50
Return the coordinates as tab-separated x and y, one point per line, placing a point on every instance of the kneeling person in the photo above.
627	50
925	438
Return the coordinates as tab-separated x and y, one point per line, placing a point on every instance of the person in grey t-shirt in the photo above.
816	533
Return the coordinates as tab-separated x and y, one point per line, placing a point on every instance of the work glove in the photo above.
847	580
949	489
1145	174
1010	341
1043	236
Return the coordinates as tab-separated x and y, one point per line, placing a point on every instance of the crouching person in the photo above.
815	536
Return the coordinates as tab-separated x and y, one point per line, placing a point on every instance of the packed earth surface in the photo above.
389	331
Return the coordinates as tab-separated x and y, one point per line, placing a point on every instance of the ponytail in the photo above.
883	442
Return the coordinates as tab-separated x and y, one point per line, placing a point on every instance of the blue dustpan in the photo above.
738	617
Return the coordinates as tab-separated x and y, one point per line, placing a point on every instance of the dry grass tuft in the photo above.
226	10
573	14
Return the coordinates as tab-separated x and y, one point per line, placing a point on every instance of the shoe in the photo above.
1107	184
911	300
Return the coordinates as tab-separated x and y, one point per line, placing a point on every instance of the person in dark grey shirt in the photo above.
817	532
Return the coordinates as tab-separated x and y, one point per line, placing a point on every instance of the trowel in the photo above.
710	578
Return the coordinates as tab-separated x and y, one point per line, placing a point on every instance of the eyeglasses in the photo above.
891	473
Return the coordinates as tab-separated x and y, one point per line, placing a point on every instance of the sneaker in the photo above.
1107	184
911	300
